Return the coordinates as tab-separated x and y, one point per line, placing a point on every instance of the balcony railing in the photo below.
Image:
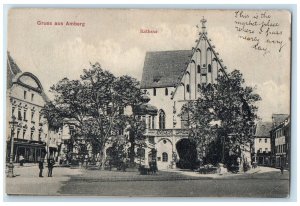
167	132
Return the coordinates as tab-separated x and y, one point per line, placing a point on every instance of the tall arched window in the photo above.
209	68
188	88
165	157
162	120
166	92
154	92
198	69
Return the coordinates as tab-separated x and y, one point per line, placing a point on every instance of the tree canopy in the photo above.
96	102
226	109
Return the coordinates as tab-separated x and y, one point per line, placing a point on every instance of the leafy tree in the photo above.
223	114
137	139
96	102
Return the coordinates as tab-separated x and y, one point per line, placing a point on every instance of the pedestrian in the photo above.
281	169
51	163
21	159
41	167
86	157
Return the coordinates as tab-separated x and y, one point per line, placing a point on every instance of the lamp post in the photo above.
11	165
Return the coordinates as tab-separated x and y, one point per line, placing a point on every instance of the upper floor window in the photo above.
188	88
149	122
165	157
198	69
24	116
32	97
154	91
19	113
209	68
32	115
25	94
162	120
266	140
166	92
153	120
259	140
18	132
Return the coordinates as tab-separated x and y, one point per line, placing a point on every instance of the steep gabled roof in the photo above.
164	68
278	118
12	70
263	129
14	73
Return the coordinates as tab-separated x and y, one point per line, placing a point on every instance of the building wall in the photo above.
32	126
25	100
262	143
281	144
201	70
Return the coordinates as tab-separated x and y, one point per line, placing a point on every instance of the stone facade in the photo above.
171	79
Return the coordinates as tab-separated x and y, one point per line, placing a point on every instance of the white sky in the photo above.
113	38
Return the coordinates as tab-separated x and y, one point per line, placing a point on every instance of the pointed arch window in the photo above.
198	69
162	120
187	88
154	91
209	68
166	92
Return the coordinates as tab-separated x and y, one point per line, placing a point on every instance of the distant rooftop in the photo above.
263	129
278	118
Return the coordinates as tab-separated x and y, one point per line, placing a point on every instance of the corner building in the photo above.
25	99
170	79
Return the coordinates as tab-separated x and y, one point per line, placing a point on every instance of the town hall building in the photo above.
170	79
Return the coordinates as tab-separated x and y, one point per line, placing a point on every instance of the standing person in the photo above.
51	163
86	157
41	167
21	159
281	169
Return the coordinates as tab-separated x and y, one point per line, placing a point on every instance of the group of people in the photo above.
50	162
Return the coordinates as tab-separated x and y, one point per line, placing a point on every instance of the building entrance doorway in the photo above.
187	154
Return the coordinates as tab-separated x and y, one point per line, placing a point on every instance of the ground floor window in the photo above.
165	157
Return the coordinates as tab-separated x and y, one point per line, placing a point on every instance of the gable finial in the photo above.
203	21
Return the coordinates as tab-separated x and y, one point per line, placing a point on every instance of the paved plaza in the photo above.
259	182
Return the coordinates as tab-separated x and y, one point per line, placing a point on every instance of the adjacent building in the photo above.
25	100
261	151
280	140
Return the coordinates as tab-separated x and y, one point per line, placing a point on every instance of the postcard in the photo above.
148	102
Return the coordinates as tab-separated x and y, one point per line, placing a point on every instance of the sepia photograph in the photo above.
148	103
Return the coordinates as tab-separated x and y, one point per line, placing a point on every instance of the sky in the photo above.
112	37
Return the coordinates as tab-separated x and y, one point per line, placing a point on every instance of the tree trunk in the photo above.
131	149
102	158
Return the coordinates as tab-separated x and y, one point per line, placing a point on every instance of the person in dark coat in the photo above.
281	169
51	163
41	167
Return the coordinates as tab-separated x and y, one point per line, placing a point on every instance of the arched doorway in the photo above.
187	154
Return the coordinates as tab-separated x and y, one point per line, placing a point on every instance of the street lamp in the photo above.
11	165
